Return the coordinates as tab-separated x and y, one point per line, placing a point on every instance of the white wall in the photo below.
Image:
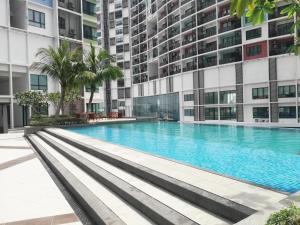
3	13
256	71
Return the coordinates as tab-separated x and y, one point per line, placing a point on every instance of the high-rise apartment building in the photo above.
26	26
192	61
115	37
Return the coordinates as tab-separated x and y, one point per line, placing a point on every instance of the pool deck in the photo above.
263	200
27	192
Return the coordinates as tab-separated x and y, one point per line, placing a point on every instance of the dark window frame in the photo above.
38	18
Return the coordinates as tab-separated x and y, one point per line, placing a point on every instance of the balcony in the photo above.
207	47
174	56
173	31
189	52
135	61
143	58
189	24
174	69
162	14
224	11
277	13
163	49
230	40
189	38
144	77
173	19
164	72
206	17
73	5
208	32
173	44
280	46
207	61
230	56
189	11
162	26
191	65
163	37
279	29
69	25
230	25
202	5
172	6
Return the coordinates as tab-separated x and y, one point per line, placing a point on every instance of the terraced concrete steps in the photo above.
117	191
213	203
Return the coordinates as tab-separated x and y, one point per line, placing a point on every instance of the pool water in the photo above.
265	156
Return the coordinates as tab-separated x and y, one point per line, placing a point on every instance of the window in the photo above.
288	91
88	88
126	48
126	65
62	23
121	103
41	110
127	92
121	93
188	112
114	104
211	98
188	97
253	50
38	82
255	33
211	114
119	48
227	113
89	8
112	41
89	32
286	112
260	112
227	97
94	107
36	19
260	93
118	14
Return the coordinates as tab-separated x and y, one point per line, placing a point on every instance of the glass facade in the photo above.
211	114
159	106
227	97
260	112
211	98
288	91
227	113
260	93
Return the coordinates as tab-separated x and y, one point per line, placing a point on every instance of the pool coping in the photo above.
192	166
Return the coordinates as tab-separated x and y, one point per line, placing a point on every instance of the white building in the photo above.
26	26
192	61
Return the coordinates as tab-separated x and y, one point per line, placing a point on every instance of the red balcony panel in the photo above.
252	48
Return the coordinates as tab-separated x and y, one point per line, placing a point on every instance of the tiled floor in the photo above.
27	192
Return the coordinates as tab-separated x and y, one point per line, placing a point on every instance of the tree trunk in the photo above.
91	98
61	103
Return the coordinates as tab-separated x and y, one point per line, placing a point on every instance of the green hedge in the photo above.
287	216
54	121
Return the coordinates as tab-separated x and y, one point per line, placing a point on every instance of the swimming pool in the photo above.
268	157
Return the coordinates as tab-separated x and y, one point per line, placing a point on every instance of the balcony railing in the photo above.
230	42
281	46
207	61
281	29
233	25
188	12
207	48
189	25
207	32
173	19
189	38
190	66
202	5
205	18
173	45
189	53
277	13
231	57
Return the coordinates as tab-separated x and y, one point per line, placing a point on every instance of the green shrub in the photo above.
288	216
54	121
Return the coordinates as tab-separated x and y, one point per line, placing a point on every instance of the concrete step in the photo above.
130	204
212	203
187	209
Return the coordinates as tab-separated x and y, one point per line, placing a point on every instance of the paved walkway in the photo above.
28	194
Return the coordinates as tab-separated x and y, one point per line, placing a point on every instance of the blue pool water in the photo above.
268	157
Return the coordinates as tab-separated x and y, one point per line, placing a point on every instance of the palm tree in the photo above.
64	65
99	68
